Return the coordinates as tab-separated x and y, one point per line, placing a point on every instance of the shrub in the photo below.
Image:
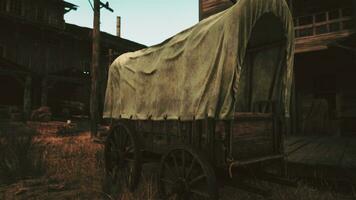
20	155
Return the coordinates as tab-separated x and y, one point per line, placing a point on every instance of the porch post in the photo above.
354	12
27	104
44	91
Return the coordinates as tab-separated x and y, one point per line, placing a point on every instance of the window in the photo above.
306	32
321	29
334	14
320	17
347	25
335	27
305	20
347	12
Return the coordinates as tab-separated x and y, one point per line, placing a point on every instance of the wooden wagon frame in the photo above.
199	153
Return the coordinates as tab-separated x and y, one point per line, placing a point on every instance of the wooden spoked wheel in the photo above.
123	157
185	174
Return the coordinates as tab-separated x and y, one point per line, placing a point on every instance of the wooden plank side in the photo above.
323	151
349	158
298	156
335	148
297	144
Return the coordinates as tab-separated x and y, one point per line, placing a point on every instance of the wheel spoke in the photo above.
190	168
166	165
126	140
115	141
183	163
196	179
167	181
122	158
123	136
124	175
170	194
129	149
175	164
200	193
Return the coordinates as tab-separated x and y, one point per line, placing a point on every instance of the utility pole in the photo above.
94	70
95	76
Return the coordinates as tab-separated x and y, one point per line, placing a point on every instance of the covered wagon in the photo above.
207	101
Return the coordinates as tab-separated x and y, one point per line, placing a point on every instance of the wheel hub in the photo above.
181	186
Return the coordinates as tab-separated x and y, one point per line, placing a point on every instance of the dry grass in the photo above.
20	156
75	161
75	170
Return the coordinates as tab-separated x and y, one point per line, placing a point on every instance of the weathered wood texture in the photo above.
252	136
95	76
338	152
210	7
317	30
59	53
52	15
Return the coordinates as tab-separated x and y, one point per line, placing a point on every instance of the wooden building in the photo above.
45	61
324	95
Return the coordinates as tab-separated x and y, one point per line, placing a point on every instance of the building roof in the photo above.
85	33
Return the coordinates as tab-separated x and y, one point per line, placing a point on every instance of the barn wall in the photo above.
325	90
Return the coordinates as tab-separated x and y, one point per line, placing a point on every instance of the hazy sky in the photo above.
144	21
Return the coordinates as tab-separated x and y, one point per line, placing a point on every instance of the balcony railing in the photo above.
323	23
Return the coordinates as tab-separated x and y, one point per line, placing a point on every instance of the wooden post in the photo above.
111	57
354	12
27	97
44	91
95	70
200	10
44	82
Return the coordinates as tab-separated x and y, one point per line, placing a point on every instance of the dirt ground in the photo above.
75	170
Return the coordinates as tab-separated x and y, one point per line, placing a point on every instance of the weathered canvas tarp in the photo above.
196	74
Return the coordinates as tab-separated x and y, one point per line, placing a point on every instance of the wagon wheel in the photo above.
123	157
185	174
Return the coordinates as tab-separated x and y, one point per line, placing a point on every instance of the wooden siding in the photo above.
322	151
210	7
37	11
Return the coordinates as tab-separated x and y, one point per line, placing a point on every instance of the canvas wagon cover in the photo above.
196	73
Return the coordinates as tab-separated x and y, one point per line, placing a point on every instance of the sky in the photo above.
148	22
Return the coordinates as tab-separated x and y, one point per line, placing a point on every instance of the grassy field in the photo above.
71	167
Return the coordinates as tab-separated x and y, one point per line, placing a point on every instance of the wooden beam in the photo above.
12	72
44	91
266	46
343	47
67	79
27	97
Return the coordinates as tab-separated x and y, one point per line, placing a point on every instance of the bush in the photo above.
20	155
42	114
